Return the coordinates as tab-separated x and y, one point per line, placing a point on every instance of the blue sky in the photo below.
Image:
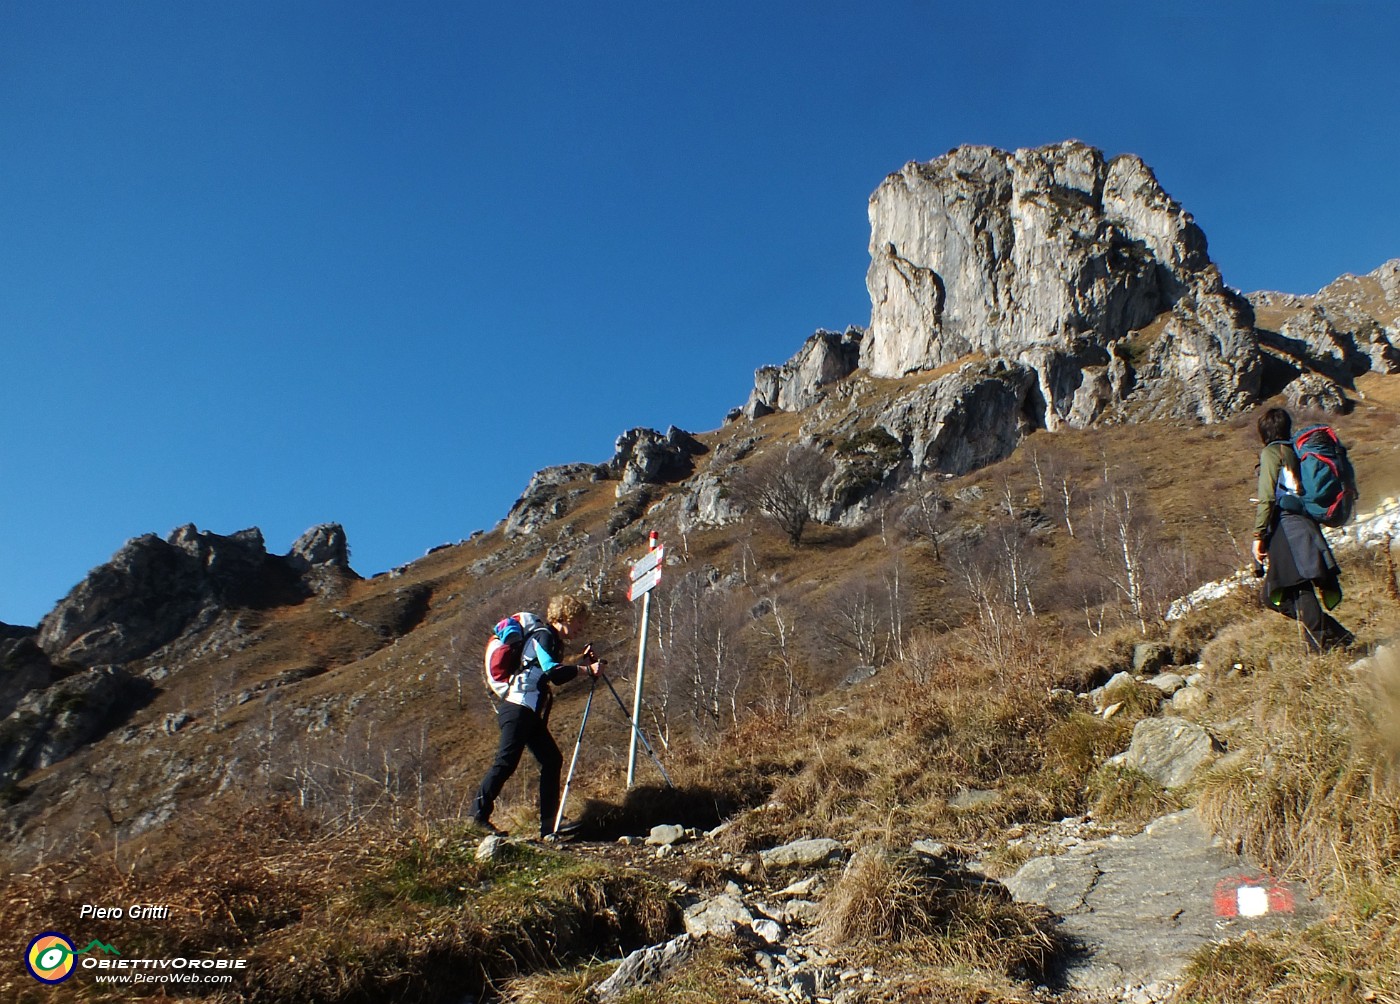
273	264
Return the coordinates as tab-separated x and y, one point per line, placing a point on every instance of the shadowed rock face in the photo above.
48	724
1053	258
153	590
23	666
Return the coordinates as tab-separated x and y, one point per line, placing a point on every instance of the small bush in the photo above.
894	900
1124	795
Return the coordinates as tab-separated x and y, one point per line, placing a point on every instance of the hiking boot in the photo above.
486	824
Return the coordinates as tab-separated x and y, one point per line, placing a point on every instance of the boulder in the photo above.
1117	686
490	847
1169	750
718	917
769	930
645	966
803	854
1168	683
666	835
1188	701
1151	656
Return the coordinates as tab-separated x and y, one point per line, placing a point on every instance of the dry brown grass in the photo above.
365	914
1312	790
889	901
707	978
1124	795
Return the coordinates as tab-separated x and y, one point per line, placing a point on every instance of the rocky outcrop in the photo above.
49	724
707	501
23	666
967	419
1368	308
646	457
1055	259
324	544
322	556
1138	908
797	384
153	591
549	496
1324	342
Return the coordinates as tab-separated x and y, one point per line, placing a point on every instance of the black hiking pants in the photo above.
522	729
1320	630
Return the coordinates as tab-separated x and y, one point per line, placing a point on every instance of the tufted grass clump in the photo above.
897	901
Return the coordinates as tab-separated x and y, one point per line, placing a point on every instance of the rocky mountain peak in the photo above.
153	590
1054	258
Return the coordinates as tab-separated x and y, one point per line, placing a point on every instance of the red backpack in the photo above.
503	651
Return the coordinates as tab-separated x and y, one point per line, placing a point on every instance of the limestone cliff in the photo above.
1079	267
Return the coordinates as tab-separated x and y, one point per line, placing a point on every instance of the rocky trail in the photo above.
1134	907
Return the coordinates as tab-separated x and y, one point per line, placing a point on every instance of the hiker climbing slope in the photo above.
523	714
1287	537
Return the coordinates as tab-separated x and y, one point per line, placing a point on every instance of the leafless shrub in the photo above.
854	621
700	656
1001	572
924	518
786	486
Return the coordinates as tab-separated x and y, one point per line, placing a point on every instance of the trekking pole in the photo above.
564	798
638	732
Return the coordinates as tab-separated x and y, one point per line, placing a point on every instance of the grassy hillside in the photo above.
296	787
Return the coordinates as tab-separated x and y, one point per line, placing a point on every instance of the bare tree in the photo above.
698	655
924	517
1124	537
853	622
779	628
596	567
786	486
897	607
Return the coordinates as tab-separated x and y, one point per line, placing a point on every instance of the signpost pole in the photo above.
641	673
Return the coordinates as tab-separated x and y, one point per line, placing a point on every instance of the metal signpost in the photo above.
646	573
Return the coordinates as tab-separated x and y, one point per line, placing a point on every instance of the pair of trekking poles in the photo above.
578	744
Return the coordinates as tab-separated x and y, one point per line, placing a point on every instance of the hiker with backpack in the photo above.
523	664
1304	481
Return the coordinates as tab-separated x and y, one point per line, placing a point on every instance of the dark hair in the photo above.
1275	425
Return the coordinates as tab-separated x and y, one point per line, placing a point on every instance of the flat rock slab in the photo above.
1141	906
802	854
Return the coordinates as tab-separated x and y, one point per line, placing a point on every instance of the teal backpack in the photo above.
1327	481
